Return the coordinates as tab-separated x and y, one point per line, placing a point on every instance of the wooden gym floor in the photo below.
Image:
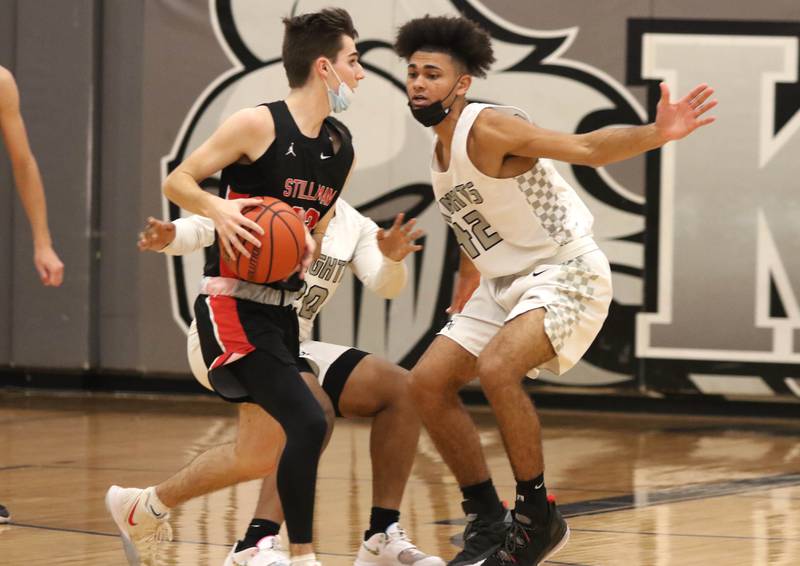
637	490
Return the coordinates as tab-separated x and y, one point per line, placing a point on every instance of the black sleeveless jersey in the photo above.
303	172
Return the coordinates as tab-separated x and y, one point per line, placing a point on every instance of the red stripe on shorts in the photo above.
230	332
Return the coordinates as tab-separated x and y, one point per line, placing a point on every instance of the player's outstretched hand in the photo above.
48	266
157	235
398	241
676	120
232	226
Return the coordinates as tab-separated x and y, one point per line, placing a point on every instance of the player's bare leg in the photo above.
435	381
141	514
538	530
520	345
379	389
254	455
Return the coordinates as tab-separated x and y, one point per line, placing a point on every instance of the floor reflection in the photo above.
638	490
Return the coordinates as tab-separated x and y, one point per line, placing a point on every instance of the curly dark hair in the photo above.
462	39
309	36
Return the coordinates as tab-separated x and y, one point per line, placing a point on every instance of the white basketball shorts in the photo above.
576	295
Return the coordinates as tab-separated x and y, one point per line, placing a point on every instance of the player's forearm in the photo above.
610	145
191	234
183	190
390	279
31	193
380	274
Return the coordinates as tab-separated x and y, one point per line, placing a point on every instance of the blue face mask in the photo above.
341	98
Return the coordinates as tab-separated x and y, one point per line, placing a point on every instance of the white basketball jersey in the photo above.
349	234
507	225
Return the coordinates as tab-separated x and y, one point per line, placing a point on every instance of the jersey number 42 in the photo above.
478	229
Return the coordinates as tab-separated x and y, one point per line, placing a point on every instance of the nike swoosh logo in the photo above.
373	552
323	156
130	516
150	508
538	486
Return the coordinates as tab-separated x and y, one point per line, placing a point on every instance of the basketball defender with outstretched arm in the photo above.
541	285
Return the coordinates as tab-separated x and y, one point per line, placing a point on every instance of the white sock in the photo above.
310	557
154	505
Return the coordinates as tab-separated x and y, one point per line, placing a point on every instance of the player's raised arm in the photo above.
378	257
674	121
242	136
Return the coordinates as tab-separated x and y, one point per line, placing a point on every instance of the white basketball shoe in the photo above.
141	528
305	560
268	552
393	548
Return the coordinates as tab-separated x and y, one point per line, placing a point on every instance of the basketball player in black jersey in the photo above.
291	150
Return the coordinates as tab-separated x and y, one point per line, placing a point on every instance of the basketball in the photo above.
282	244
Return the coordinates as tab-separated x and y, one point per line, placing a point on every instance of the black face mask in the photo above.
434	113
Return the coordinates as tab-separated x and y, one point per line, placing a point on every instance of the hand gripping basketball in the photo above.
273	251
233	228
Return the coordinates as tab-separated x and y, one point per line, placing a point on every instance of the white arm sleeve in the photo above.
378	273
191	233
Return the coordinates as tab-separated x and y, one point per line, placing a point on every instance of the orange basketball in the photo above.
282	244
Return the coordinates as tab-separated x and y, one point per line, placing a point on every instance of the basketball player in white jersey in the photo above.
345	380
542	287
